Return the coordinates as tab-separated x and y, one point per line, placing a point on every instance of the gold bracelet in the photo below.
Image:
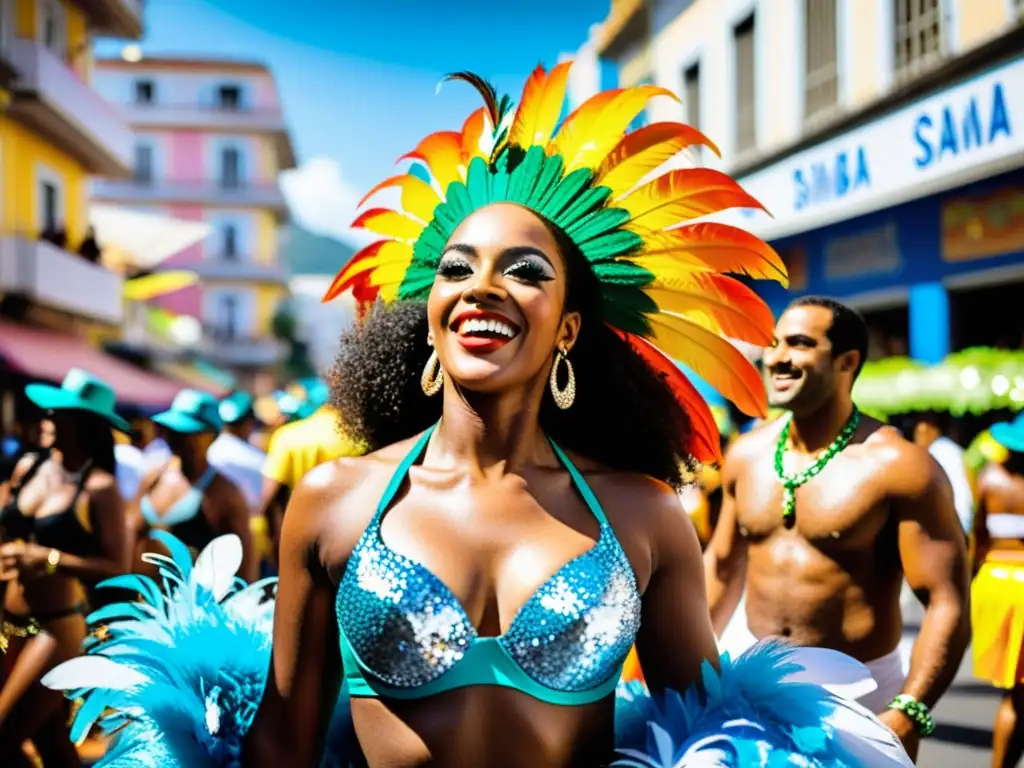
52	562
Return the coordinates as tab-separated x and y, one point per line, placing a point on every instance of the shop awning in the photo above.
48	355
145	239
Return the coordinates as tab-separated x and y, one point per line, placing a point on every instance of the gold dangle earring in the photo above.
433	376
564	398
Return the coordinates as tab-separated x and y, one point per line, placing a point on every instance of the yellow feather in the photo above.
712	358
539	107
389	273
593	130
393	252
391	224
418	198
731	309
640	152
681	195
711	247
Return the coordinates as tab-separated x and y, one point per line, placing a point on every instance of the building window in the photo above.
691	99
918	36
229	97
52	32
227	317
230	168
821	70
230	251
50	200
145	91
746	113
143	168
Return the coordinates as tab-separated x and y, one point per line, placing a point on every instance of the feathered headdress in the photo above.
662	282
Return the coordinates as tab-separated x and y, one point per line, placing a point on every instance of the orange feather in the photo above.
442	152
681	195
593	130
340	282
705	444
477	125
712	358
718	247
391	224
418	198
374	257
645	150
539	107
717	302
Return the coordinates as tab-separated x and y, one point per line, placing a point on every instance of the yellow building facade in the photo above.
56	132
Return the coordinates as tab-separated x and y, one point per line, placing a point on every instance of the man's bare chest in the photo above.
844	505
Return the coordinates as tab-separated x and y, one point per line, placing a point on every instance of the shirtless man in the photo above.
829	574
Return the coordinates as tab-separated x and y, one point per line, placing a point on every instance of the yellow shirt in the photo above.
296	448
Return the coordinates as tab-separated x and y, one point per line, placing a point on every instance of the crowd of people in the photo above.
83	491
478	547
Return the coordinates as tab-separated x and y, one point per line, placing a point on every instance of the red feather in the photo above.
705	442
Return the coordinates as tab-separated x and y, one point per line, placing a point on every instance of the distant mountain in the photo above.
306	253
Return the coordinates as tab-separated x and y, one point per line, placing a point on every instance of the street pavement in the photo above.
963	732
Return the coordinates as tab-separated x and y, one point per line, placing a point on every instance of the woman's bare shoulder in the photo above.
335	501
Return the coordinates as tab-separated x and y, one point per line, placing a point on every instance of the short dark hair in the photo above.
848	330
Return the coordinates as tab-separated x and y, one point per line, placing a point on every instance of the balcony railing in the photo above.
53	277
242	269
256	194
50	97
193	115
223	346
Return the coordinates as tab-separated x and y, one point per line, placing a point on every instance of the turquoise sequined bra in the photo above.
404	635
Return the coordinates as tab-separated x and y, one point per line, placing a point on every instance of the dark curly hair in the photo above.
624	416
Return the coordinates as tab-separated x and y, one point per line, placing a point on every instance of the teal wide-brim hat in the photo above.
236	407
1010	434
192	412
80	391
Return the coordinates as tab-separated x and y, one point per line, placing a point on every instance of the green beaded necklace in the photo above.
791	482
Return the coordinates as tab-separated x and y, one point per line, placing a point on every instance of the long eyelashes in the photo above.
526	271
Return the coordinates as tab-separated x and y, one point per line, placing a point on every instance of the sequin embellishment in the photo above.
408	629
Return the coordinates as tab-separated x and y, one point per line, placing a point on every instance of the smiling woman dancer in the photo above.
478	579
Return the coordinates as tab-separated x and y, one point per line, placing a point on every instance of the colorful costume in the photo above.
403	634
997	592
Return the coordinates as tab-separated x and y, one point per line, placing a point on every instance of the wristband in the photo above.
918	713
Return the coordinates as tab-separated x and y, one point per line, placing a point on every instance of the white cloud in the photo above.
322	201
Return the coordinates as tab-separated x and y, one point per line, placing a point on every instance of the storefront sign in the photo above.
983	226
971	130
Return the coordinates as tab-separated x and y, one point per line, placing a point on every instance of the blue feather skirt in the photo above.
174	680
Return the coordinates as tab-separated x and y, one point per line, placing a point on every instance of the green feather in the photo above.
626	309
460	202
524	177
562	195
612	245
582	205
477	178
597	223
549	176
622	273
499	187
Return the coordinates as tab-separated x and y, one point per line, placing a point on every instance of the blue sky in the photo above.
358	78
